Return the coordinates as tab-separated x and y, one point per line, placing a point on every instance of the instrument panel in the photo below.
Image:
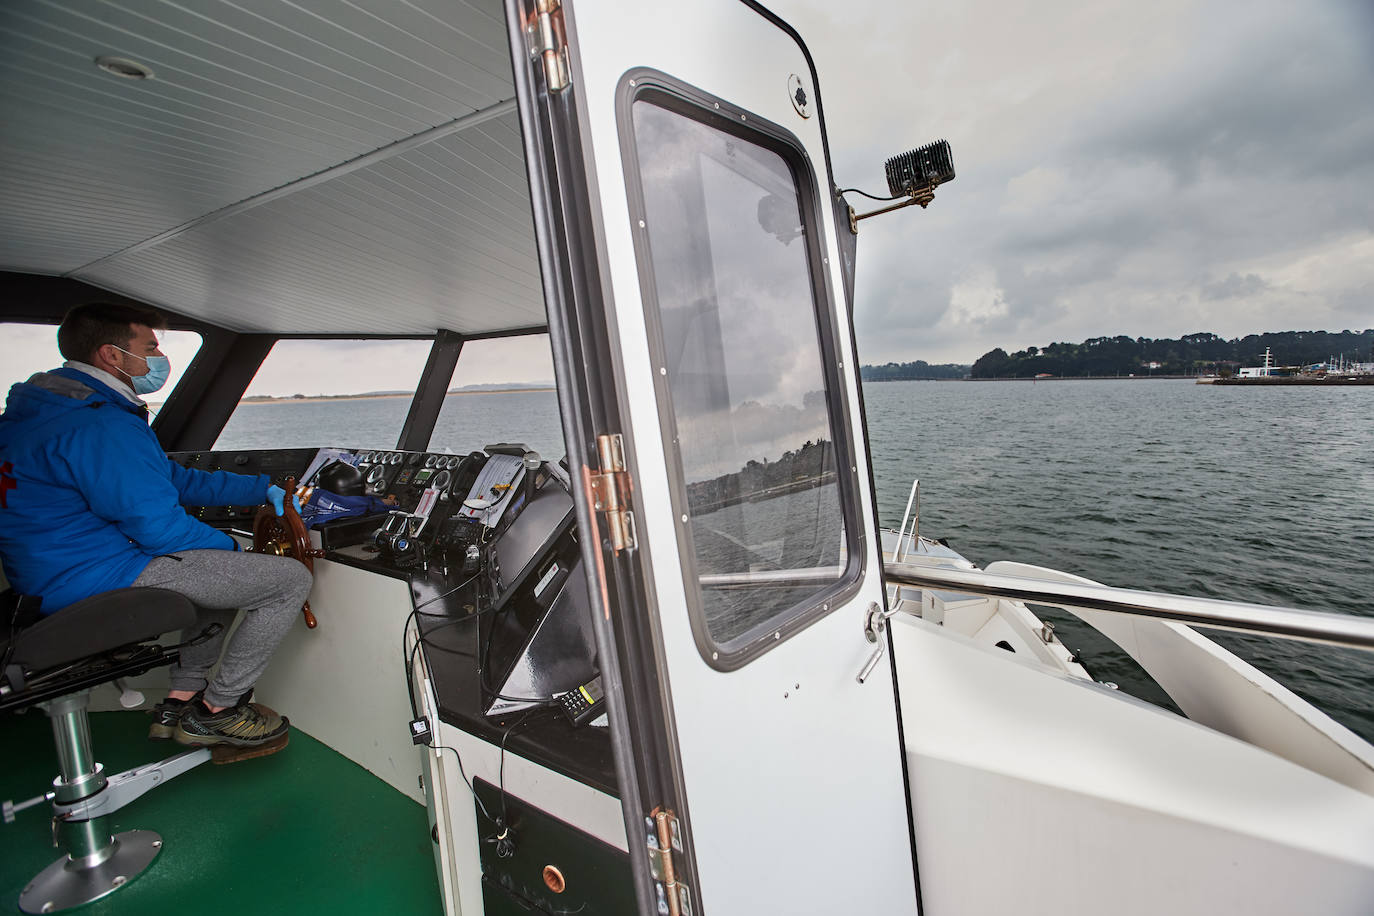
424	519
407	475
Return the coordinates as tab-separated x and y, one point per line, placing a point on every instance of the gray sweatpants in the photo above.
269	590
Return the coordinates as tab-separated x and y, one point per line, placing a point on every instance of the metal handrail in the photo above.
913	497
1289	623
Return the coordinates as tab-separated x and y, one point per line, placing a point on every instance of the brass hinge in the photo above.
610	491
544	36
665	840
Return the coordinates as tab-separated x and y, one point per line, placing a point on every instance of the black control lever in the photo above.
532	463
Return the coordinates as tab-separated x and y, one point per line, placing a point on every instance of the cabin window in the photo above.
502	391
350	393
734	286
29	348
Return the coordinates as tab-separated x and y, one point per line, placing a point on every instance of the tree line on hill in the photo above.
1189	355
809	465
920	369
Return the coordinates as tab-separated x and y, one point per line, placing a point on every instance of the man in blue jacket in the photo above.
89	502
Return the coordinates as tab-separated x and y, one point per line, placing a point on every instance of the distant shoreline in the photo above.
1049	378
372	397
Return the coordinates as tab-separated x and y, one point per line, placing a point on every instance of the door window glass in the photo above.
743	348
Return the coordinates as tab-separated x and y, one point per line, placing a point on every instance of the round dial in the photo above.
431	460
395	458
441	481
452	462
412	460
377	474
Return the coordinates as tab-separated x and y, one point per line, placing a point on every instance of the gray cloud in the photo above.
1235	287
1150	171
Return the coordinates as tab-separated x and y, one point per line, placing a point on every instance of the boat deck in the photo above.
303	831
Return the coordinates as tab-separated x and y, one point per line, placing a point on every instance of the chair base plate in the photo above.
65	884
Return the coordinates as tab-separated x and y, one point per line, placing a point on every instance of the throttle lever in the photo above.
875	623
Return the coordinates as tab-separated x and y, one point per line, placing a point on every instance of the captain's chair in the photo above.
54	663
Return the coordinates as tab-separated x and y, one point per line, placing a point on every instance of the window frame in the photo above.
654	87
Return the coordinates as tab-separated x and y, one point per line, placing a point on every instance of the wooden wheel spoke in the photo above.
285	535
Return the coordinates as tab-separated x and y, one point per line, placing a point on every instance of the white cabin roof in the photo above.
312	167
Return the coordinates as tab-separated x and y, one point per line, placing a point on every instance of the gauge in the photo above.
412	460
364	457
441	481
452	462
395	458
377	474
431	460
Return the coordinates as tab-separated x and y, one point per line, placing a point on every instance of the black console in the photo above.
494	527
277	464
489	546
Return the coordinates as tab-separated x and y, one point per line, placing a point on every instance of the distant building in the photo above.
1259	371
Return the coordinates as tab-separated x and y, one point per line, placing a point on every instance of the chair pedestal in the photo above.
73	881
83	799
53	663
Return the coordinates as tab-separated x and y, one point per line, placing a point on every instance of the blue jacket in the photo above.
87	496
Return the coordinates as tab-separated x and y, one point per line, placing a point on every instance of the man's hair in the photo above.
88	327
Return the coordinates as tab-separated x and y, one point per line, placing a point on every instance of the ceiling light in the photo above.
124	68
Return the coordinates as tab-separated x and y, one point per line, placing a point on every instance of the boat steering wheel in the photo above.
285	535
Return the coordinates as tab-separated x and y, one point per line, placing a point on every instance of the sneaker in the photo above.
167	714
244	725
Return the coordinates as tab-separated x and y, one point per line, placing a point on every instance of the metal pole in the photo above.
1288	623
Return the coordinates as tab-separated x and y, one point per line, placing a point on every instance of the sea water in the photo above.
1252	494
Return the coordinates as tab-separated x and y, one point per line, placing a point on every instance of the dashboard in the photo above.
489	537
416	509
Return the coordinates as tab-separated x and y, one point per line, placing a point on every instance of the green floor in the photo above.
303	831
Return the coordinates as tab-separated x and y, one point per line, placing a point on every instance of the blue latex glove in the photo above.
277	497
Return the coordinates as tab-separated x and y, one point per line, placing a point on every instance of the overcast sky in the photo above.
1150	169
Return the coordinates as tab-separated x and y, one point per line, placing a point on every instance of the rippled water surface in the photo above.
1263	495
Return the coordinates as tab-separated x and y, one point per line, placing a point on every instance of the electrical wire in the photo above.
871	196
504	839
414	710
428	601
482	668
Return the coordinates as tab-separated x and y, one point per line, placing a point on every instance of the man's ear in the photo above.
105	354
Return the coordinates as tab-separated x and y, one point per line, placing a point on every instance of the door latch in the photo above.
875	627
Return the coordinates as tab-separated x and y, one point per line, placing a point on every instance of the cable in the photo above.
415	712
486	685
428	601
464	776
504	839
871	196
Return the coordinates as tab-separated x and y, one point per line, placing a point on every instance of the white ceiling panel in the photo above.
229	185
437	237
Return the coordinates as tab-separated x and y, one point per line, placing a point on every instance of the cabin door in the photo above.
682	199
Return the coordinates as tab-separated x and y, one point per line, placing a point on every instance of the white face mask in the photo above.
159	368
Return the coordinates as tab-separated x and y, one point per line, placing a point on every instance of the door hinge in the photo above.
610	491
544	37
665	845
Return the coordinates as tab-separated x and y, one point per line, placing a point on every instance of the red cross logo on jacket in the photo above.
7	483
